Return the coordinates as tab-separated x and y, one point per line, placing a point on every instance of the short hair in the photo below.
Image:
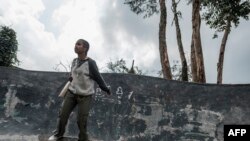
85	44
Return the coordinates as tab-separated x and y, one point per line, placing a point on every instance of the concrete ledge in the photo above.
141	108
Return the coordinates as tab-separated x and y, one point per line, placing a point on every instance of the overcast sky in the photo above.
47	31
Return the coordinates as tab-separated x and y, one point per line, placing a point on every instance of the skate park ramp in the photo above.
141	108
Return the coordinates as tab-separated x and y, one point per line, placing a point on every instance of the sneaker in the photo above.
54	138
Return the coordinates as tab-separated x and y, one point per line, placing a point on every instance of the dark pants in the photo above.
69	103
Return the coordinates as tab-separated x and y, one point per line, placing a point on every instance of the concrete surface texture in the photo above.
140	109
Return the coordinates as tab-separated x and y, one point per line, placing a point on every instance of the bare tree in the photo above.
196	22
184	72
162	41
148	8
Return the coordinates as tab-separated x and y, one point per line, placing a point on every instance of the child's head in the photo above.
81	46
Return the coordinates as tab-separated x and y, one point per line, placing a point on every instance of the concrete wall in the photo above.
140	109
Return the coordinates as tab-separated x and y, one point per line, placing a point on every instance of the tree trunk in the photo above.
196	20
184	69
193	61
222	52
162	41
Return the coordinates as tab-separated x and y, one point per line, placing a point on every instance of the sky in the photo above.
47	31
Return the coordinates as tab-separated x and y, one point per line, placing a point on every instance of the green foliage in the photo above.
8	47
119	66
146	7
218	12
